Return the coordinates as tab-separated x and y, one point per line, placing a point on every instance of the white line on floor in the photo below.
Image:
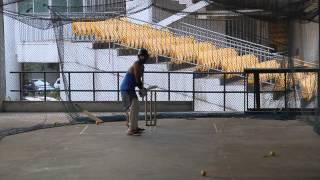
215	127
84	129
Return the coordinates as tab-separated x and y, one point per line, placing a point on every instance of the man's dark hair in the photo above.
143	52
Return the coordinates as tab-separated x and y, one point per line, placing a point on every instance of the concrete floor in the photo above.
227	148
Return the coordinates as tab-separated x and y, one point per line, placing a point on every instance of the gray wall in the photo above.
110	106
2	59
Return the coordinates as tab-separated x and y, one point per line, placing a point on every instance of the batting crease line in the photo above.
84	129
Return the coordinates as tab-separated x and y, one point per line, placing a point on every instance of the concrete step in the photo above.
185	2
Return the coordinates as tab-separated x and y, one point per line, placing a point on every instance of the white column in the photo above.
11	63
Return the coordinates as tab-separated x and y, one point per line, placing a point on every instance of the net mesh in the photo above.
101	42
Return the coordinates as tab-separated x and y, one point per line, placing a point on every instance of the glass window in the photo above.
75	5
25	6
59	5
39	6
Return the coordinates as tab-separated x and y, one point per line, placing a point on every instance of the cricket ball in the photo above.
272	153
203	173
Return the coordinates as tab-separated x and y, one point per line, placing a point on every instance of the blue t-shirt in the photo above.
129	82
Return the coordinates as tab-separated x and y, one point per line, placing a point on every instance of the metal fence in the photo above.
210	91
292	89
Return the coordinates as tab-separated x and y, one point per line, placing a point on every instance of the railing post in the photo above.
45	86
244	92
318	91
285	91
118	86
69	88
169	86
224	91
257	89
193	89
20	85
247	89
94	86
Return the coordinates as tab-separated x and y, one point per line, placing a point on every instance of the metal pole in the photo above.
224	92
45	86
20	84
169	86
257	89
146	109
151	101
69	89
247	90
244	94
193	89
285	91
93	87
318	89
118	85
155	108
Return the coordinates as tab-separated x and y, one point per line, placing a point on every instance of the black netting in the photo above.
96	44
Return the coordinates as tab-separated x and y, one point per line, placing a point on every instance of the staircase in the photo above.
190	9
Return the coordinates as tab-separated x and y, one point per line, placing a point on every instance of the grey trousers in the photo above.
134	114
131	107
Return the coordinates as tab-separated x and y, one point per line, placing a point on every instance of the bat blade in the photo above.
90	115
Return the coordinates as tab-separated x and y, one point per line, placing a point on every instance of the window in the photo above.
75	5
26	6
104	5
61	6
39	6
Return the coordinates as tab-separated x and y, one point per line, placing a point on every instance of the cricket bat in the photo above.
90	115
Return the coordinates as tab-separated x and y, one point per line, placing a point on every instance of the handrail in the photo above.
231	37
267	53
283	70
231	40
111	72
221	41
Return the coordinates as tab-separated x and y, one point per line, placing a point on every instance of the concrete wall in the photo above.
91	106
47	52
2	61
81	57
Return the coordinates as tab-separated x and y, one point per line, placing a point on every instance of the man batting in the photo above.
132	79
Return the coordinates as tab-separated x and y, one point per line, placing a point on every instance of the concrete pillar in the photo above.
2	62
306	41
11	62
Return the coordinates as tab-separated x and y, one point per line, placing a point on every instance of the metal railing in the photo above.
289	91
189	90
226	41
202	89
